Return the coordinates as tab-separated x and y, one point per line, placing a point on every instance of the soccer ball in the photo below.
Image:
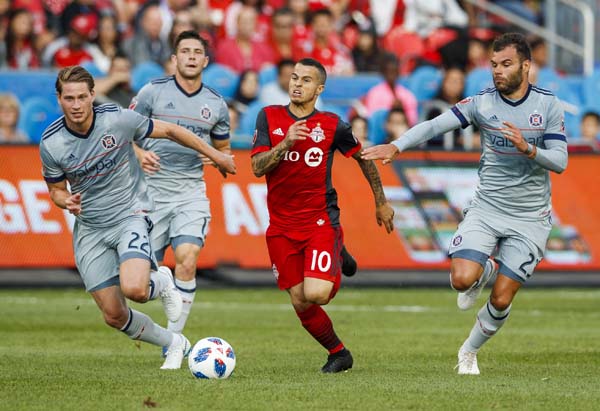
211	357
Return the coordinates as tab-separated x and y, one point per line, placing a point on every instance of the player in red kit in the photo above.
294	148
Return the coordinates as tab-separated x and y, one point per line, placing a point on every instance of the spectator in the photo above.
360	129
108	41
300	13
395	125
182	21
116	87
276	92
386	14
390	94
21	53
78	8
247	91
282	35
9	117
262	23
478	54
74	48
326	47
590	129
539	51
146	44
243	52
451	92
366	54
425	16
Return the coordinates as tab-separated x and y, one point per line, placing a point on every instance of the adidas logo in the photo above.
494	117
72	157
278	132
170	105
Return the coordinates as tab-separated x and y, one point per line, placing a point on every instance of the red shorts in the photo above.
299	254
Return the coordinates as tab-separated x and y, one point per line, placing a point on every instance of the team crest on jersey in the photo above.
109	142
317	135
536	120
456	241
465	100
206	112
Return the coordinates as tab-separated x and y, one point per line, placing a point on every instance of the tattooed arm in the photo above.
263	163
384	212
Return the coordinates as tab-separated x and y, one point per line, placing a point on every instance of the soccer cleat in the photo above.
340	361
170	297
467	299
179	348
467	362
349	265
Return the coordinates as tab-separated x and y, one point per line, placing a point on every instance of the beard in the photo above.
512	83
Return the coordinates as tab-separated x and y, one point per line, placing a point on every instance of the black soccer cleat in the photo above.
349	265
338	362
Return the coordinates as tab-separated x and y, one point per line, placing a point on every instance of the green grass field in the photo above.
56	354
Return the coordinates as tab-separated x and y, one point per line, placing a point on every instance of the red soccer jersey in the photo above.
300	194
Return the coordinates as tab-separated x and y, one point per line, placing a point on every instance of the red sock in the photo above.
318	324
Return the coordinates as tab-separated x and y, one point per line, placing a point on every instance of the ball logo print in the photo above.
211	358
313	157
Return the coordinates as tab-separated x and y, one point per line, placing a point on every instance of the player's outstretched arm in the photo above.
180	135
62	197
264	162
385	152
383	211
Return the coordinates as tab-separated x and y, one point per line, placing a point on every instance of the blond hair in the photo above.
73	74
9	100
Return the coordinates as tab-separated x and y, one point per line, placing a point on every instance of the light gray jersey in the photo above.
100	165
510	182
203	112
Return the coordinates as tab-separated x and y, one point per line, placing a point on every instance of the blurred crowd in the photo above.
392	38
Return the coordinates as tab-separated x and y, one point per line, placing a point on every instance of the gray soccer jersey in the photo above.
509	182
203	112
100	165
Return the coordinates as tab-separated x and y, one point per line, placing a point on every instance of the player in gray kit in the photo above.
522	138
175	174
91	150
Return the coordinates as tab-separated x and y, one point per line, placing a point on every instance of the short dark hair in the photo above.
320	12
516	40
282	11
73	74
284	62
591	114
314	63
190	34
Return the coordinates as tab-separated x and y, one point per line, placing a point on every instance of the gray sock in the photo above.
141	327
489	320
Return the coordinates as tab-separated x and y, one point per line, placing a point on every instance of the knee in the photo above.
500	302
136	292
116	319
459	281
316	297
186	270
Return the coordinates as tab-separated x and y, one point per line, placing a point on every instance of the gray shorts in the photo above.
517	245
100	251
177	223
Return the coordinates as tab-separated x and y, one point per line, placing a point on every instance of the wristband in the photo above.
529	149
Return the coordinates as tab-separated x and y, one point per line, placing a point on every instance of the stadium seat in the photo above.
26	84
36	114
591	90
144	73
267	75
425	82
93	69
407	46
376	126
221	78
248	119
478	79
333	108
342	90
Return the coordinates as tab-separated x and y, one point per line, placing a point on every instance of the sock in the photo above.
141	327
489	320
318	324
158	282
187	289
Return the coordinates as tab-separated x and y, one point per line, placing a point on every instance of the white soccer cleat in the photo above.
467	362
178	349
170	297
467	299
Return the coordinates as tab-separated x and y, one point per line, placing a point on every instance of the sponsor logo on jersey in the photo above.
278	132
536	120
170	106
313	157
108	142
317	135
206	113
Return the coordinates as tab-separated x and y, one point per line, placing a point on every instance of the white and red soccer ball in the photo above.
211	357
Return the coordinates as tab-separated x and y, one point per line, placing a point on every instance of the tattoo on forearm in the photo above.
265	162
371	173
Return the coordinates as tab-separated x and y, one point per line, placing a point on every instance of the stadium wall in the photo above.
427	189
